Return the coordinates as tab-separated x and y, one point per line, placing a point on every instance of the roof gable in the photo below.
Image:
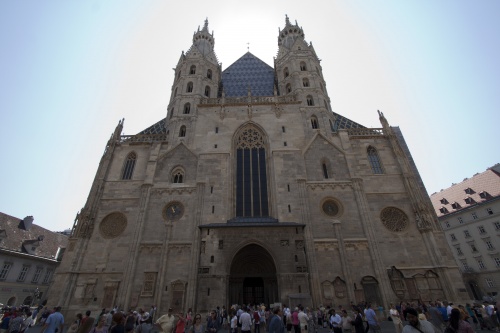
248	72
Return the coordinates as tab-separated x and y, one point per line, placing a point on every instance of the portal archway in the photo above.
253	277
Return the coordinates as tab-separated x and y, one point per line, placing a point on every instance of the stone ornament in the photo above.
250	138
113	225
394	219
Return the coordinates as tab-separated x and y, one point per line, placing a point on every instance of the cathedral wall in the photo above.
321	151
287	167
120	156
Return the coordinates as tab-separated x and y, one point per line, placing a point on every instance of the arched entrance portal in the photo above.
253	277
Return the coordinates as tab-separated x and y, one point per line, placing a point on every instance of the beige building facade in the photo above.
469	213
251	189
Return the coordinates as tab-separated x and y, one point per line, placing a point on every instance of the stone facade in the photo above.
252	190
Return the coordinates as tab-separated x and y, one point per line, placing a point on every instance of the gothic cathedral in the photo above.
252	190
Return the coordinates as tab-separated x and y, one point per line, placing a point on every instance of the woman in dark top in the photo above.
358	321
118	323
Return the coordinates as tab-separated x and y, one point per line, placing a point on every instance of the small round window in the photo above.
331	208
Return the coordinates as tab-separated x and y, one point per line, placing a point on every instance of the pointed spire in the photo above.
287	20
382	119
205	26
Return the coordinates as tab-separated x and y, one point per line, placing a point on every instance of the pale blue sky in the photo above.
69	70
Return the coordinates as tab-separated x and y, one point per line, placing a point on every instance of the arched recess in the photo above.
251	173
11	301
253	277
371	290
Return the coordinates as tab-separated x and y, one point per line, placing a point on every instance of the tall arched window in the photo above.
128	169
209	74
192	70
187	108
310	100
182	131
314	122
189	87
305	82
374	160
251	173
288	88
303	66
207	91
285	72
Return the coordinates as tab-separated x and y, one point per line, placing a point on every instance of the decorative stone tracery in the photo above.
250	138
394	219
113	225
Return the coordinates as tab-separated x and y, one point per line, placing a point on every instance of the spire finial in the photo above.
205	27
248	47
287	20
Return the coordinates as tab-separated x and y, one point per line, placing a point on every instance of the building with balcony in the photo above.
469	214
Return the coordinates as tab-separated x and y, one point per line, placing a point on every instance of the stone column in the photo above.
372	240
130	273
312	265
343	259
192	286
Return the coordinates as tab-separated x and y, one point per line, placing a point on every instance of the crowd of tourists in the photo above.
431	317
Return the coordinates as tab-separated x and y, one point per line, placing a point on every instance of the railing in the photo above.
249	100
365	131
143	138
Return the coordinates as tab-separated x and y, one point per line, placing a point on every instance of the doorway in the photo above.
253	277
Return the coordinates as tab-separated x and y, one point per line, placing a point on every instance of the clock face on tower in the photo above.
173	211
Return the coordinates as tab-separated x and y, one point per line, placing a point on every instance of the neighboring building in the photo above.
469	213
252	190
29	255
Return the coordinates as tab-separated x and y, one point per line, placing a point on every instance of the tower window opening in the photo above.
305	82
285	72
303	66
189	87
310	100
192	70
182	131
187	108
283	129
207	91
209	74
314	123
288	88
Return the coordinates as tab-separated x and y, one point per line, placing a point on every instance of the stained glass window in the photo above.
251	174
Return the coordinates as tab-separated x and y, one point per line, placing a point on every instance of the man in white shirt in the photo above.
245	321
336	322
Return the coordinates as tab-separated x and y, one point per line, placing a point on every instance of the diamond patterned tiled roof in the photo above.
158	128
342	122
248	71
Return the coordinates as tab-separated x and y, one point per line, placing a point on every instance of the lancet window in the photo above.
192	70
189	87
374	160
251	174
187	108
310	100
128	169
182	131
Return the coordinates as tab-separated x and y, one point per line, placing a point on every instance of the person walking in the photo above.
54	321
